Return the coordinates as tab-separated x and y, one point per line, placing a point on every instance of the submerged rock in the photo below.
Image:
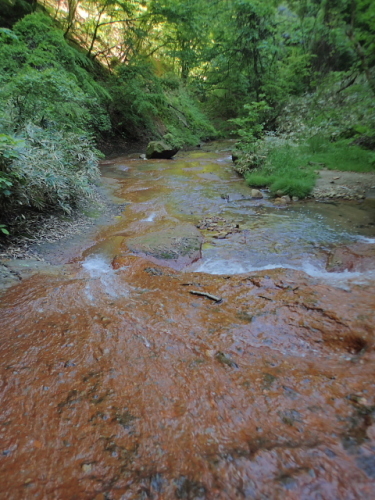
280	201
160	150
176	246
359	257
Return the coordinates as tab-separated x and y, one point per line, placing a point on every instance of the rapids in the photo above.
116	382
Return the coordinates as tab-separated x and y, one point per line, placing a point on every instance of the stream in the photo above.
196	347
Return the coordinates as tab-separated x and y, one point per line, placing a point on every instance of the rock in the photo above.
176	246
224	359
280	201
142	157
295	198
255	193
286	198
221	236
359	257
236	155
279	193
161	150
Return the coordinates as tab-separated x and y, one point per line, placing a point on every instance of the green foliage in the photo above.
8	153
251	125
283	173
13	10
145	105
258	180
291	169
50	170
3	229
341	106
50	108
245	63
44	82
287	184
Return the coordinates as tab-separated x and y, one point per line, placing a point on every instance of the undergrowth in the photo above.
145	105
50	110
292	169
324	129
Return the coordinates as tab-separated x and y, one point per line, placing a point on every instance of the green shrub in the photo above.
50	108
258	180
50	171
293	187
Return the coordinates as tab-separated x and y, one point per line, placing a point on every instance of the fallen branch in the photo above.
208	295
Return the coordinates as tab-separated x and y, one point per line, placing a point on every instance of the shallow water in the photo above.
118	383
192	187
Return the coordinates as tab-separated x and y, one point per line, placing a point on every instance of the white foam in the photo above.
97	266
150	218
103	278
365	239
222	266
227	158
341	280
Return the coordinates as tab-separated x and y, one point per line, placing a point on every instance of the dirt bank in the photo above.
336	184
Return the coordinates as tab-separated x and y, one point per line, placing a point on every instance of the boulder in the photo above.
255	193
280	201
161	150
359	257
286	198
176	246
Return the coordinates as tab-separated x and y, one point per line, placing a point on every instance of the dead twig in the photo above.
208	295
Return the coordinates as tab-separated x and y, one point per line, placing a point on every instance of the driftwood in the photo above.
208	295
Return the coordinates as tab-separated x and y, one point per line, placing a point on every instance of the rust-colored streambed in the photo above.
117	382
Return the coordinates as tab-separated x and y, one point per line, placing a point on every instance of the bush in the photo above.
50	109
49	171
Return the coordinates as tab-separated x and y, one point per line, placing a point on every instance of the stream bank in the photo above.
117	382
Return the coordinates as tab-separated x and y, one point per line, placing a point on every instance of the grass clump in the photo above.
258	181
293	187
292	169
283	173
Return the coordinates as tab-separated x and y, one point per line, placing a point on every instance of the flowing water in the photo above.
117	382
